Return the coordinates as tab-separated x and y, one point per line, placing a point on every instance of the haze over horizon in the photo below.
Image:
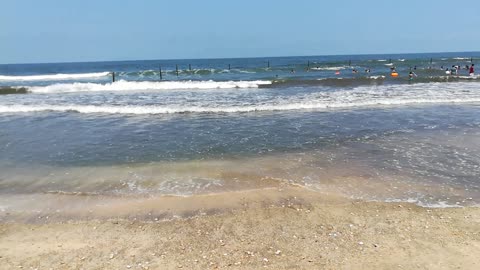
81	31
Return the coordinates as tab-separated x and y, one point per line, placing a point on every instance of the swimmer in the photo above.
453	71
411	75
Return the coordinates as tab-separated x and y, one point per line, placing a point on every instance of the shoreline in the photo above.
277	228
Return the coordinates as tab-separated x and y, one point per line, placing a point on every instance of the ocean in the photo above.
224	125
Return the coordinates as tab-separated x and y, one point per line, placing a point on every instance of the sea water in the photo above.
219	125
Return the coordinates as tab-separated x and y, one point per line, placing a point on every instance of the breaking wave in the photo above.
132	109
54	77
358	97
146	85
329	68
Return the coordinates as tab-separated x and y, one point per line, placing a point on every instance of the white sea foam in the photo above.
471	77
206	102
244	71
54	77
354	99
130	109
327	68
379	77
461	58
326	79
140	86
389	64
382	60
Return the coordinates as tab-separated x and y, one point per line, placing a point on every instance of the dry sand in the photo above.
289	228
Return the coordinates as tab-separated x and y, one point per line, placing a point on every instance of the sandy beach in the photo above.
280	228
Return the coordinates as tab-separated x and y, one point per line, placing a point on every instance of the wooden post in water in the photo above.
431	61
390	60
308	64
228	66
349	63
176	69
113	76
190	67
268	64
160	69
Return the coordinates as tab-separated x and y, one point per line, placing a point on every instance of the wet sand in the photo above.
279	228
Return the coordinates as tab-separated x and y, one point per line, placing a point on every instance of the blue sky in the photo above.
93	30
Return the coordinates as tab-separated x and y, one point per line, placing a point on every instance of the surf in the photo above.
54	77
145	85
245	102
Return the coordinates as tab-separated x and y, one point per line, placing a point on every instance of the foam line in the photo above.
135	86
54	77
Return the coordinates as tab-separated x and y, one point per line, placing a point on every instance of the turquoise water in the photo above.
261	122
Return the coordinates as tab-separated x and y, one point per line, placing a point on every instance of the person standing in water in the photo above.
472	70
453	71
411	75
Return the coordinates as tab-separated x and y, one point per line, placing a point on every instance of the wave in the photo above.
123	85
328	68
358	97
146	85
54	77
244	71
379	77
192	85
334	82
142	110
187	72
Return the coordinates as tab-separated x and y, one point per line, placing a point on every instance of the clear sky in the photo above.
94	30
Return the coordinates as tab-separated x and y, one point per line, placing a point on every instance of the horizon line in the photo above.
221	58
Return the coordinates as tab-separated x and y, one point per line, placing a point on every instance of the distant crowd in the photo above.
454	70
